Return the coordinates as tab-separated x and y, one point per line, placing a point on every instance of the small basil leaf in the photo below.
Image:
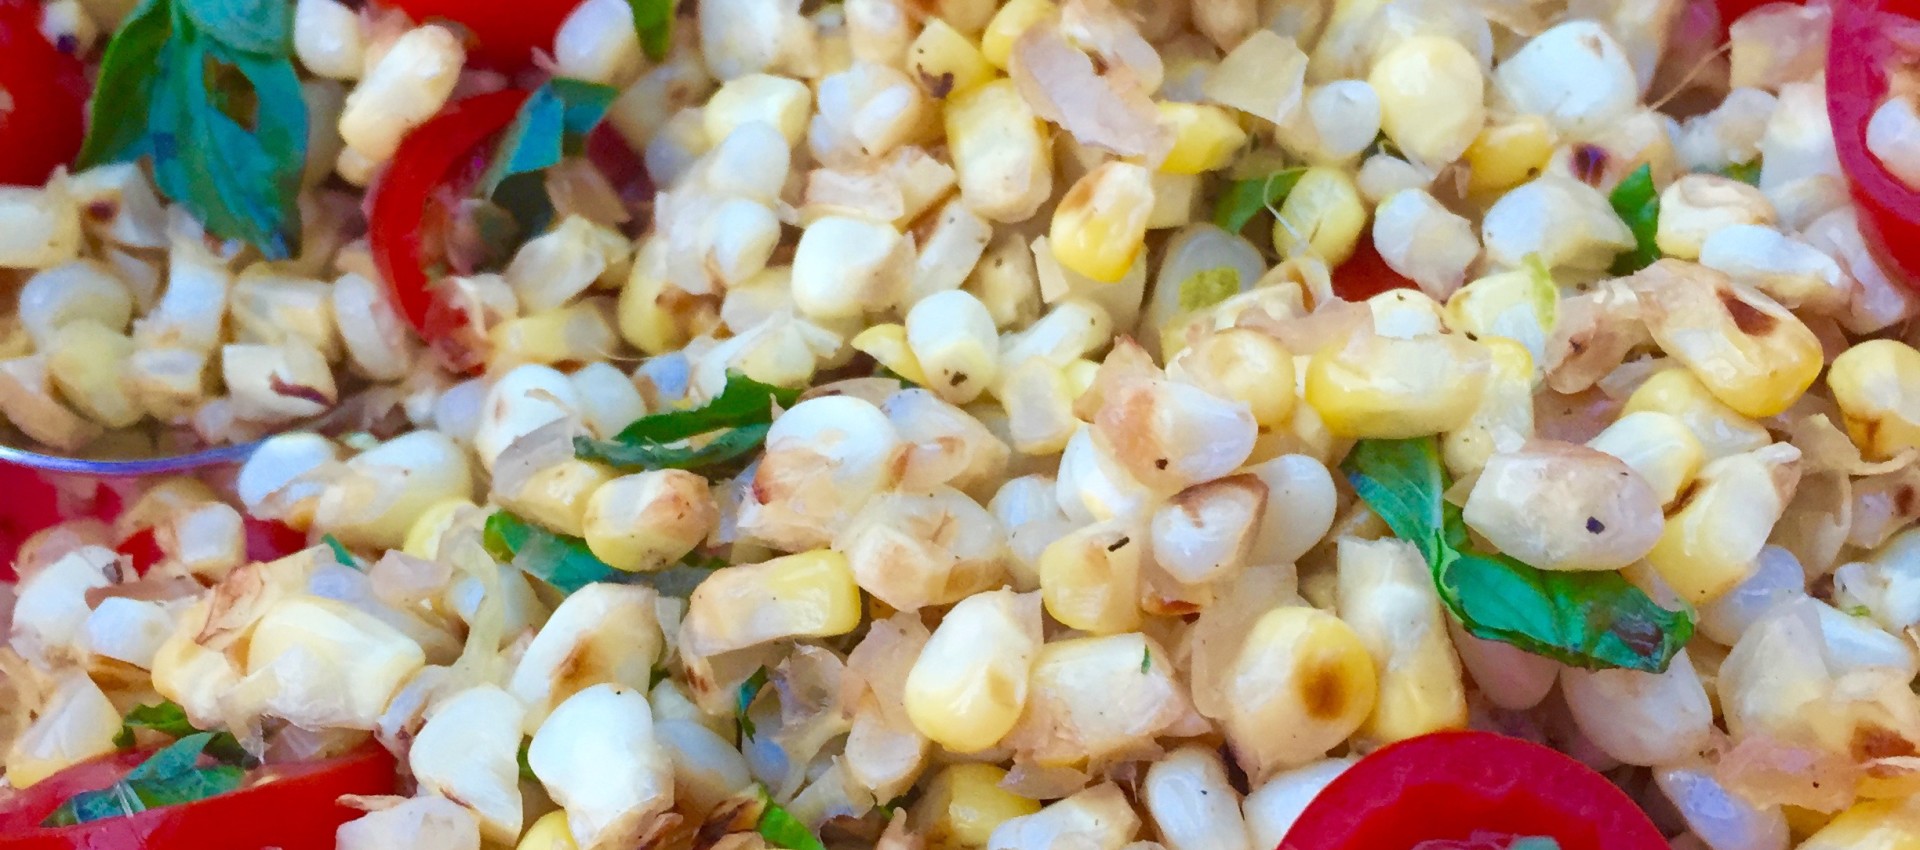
562	561
781	829
252	26
554	120
175	759
1402	481
1245	199
1637	203
653	21
117	126
1594	620
729	446
743	401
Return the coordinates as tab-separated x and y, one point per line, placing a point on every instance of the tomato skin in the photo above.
45	92
1864	44
31	504
1366	274
1449	785
505	32
293	807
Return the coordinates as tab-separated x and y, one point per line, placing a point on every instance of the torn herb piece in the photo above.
562	561
744	698
1746	172
1637	203
1245	199
526	767
742	411
167	778
553	122
168	718
340	553
781	829
643	455
653	22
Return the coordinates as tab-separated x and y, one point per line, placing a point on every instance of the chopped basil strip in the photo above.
1584	619
741	414
168	718
167	778
781	829
1638	204
1245	199
340	552
653	21
562	561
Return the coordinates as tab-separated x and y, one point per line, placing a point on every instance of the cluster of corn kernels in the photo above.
1050	586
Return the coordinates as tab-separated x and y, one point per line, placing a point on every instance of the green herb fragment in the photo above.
653	21
553	122
1592	620
526	768
1534	843
1203	289
167	778
1860	611
168	718
340	553
206	90
781	829
1245	199
742	413
1637	203
1745	172
744	698
1146	661
562	561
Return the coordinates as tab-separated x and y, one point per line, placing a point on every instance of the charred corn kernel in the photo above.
969	685
1000	152
548	833
1656	445
1870	825
1719	524
76	723
1749	351
404	87
598	634
1560	506
1522	305
964	803
1432	97
649	520
1100	226
1243	365
336	665
1721	430
1386	594
887	345
1508	154
1877	385
423	537
1038	399
1090	579
844	267
1301	683
1381	387
779	101
1323	214
1205	137
811	594
556	496
1503	420
946	62
1007	25
87	362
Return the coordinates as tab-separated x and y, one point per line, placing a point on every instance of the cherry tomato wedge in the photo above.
43	98
290	806
1869	37
1450	786
409	226
31	504
1366	274
505	32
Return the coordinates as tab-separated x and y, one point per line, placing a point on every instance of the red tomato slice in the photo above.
1366	274
505	33
31	504
43	98
1451	785
1865	43
291	806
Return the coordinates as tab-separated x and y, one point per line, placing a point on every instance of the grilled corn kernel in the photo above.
556	496
87	362
844	267
1381	387
946	62
466	752
1696	206
1070	720
575	333
649	520
1300	684
1000	152
598	757
1386	594
75	723
423	537
969	685
404	87
1245	366
779	101
1038	399
1522	305
550	832
645	321
887	345
954	343
68	293
1192	803
1567	223
336	665
1503	420
811	594
1574	75
1720	429
1090	579
1749	351
1323	214
1100	226
1508	154
599	634
1640	717
1432	97
1870	825
1205	138
1877	385
1656	445
1717	527
1007	25
964	803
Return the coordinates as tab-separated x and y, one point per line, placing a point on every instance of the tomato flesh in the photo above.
1452	786
1366	274
505	33
1867	40
43	98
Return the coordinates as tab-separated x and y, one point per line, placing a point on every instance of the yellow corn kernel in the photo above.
423	537
1717	527
556	496
550	832
1871	825
1658	446
1323	214
1001	157
1008	24
1720	430
649	520
1508	154
1504	417
1877	385
1747	350
1243	365
1101	224
1080	373
887	345
88	363
1432	97
1090	579
1381	387
1205	138
643	317
574	333
1522	305
1386	594
946	62
964	803
969	685
809	594
1301	683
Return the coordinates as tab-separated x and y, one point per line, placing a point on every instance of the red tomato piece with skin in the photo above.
1870	37
43	98
1366	274
505	33
31	504
290	806
1454	786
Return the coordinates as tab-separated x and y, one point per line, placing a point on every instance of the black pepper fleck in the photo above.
1595	526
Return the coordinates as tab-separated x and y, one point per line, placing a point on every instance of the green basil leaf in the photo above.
729	446
340	553
252	26
1745	172
175	759
526	768
168	718
743	401
744	698
1203	289
117	127
132	796
1245	199
653	20
1637	203
1404	483
562	561
555	119
781	829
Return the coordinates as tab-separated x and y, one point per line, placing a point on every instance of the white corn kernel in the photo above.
375	336
953	339
999	152
752	162
27	400
554	267
1424	241
831	444
1785	267
598	757
402	89
1386	594
1205	532
1192	804
49	614
1432	97
1568	224
600	634
1696	206
1777	44
1094	697
649	520
273	482
779	101
1720	430
740	37
949	254
969	684
1559	506
129	630
865	111
327	39
1099	818
333	664
520	402
167	383
1641	718
1090	578
1574	75
706	767
71	292
1720	816
1893	137
1656	445
811	594
276	383
87	361
192	310
39	227
1301	500
75	724
468	751
1274	805
597	43
206	540
844	267
388	487
428	822
912	551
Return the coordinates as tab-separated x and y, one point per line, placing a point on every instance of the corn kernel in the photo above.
887	345
1301	683
1205	138
1432	97
954	343
964	803
1323	214
649	520
1522	305
946	62
1870	825
1381	387
1243	365
550	832
1000	152
1100	226
575	333
1090	579
1503	420
1008	24
1877	385
810	594
779	101
1718	526
969	685
1386	594
423	537
1720	429
1508	154
87	361
1749	351
1656	445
